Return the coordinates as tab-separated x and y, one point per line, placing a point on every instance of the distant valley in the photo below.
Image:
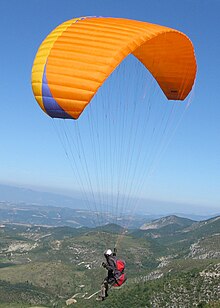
33	201
51	216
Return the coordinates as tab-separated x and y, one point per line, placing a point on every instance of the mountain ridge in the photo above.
180	222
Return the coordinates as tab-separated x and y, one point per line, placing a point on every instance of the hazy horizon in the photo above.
144	206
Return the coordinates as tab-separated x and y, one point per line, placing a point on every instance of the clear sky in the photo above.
30	154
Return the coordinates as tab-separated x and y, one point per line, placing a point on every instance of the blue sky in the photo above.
30	153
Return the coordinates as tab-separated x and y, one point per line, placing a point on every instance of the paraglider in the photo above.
116	275
71	67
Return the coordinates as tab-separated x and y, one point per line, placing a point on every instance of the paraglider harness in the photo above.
120	266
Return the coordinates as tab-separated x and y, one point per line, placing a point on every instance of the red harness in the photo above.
120	265
120	281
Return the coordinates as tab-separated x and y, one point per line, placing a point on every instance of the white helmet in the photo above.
108	252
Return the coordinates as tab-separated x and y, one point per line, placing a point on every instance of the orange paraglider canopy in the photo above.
79	55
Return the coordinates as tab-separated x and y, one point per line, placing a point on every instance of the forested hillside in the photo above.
179	267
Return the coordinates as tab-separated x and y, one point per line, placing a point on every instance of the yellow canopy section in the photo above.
80	58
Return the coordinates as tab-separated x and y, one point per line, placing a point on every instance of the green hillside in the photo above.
42	266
